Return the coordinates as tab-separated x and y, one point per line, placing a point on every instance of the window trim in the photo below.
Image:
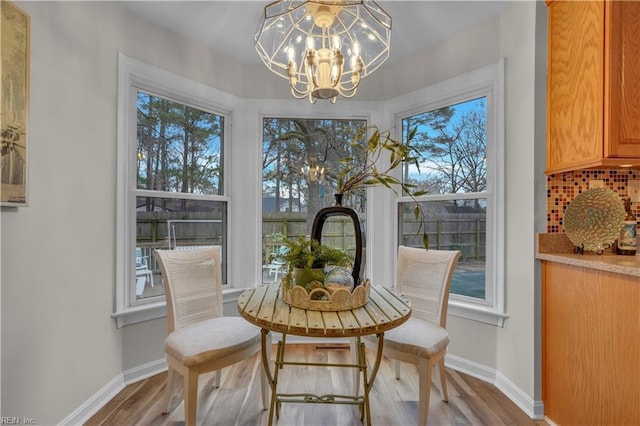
484	82
133	76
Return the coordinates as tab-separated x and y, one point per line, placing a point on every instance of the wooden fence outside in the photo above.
462	231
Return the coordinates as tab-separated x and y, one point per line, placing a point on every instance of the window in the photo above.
300	162
452	141
171	189
460	166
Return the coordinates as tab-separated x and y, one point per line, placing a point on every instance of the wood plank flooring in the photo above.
237	402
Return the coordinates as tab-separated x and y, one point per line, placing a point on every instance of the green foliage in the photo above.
355	175
303	253
307	255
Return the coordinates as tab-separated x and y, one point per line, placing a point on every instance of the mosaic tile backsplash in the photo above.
562	188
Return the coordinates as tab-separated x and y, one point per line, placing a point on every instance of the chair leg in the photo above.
424	379
443	381
169	391
397	370
190	397
217	378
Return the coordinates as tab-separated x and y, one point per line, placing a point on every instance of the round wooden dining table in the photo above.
263	306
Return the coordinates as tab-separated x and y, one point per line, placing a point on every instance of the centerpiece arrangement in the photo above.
310	282
318	277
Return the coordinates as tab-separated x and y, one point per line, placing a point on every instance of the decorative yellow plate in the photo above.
594	218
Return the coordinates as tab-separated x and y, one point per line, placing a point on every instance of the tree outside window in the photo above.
300	163
179	170
452	141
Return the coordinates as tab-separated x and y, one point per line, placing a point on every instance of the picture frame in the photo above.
14	101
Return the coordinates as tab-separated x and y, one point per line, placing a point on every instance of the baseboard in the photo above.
83	413
549	421
144	371
533	409
471	368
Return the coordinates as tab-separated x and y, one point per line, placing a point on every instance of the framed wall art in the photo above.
14	100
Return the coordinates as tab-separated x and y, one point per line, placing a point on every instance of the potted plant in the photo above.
306	260
356	175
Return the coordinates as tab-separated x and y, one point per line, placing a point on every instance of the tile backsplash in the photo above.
562	188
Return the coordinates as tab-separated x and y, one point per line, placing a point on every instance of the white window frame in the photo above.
485	82
134	76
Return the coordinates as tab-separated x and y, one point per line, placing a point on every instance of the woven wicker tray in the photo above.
339	300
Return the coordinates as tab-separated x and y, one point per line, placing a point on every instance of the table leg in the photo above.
365	412
266	364
368	381
273	379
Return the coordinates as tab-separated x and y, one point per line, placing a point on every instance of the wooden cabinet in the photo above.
590	345
593	85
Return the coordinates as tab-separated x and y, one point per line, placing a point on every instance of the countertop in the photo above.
558	248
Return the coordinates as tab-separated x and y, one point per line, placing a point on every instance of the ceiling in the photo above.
228	27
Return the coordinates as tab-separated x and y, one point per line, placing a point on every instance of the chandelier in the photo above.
308	42
313	173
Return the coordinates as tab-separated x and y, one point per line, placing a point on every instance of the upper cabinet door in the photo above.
593	85
575	90
623	85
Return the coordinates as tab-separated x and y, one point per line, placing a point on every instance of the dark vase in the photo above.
339	210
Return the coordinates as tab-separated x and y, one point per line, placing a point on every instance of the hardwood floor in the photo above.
237	401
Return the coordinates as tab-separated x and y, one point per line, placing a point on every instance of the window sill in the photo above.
141	313
151	311
477	313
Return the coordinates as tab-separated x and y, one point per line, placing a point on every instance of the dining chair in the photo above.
144	274
424	277
200	338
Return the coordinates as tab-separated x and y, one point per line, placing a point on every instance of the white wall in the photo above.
517	344
59	344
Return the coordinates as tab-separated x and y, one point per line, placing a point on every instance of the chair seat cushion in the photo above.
418	337
211	339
